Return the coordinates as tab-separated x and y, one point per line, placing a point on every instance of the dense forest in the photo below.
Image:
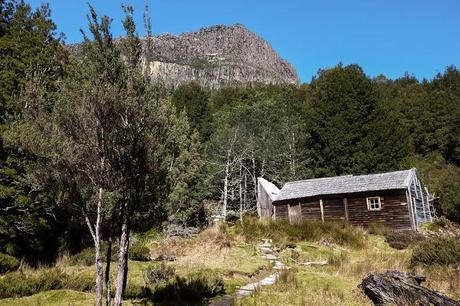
91	150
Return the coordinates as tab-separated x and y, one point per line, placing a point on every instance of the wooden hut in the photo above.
397	199
266	193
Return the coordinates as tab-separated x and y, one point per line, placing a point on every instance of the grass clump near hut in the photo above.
283	233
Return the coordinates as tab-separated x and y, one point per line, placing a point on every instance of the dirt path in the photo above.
266	251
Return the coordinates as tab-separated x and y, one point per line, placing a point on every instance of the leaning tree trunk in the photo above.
122	270
398	288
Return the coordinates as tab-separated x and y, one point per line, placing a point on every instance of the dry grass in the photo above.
227	254
443	279
211	250
336	284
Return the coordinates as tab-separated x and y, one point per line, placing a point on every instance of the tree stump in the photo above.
399	288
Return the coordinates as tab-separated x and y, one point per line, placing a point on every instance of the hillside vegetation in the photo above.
227	258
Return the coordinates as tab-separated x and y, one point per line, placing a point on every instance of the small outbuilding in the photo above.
398	199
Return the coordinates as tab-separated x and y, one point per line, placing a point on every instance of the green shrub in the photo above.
437	224
139	251
203	283
403	239
436	251
8	263
86	257
377	228
158	273
442	221
283	233
197	286
136	292
84	282
17	284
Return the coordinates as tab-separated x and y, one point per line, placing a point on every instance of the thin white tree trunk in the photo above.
240	181
122	270
98	257
227	174
245	189
96	235
291	155
107	273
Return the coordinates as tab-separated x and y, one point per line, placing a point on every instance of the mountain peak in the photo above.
215	56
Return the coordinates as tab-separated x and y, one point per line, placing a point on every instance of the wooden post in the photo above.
345	207
322	209
428	204
289	213
411	211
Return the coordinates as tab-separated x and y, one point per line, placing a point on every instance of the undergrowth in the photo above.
436	251
403	239
283	233
8	263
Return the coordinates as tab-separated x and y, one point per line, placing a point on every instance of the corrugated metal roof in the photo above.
345	184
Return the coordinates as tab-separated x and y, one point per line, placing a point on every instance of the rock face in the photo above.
215	56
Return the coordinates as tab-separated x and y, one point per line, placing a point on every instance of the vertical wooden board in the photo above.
282	212
322	209
310	210
295	215
333	209
345	208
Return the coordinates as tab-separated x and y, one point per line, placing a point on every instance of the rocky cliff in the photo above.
215	56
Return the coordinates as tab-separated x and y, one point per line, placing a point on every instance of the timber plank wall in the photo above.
394	212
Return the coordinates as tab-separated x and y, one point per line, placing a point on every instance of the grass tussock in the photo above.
158	273
377	228
283	233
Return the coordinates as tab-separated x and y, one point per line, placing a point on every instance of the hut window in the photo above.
374	203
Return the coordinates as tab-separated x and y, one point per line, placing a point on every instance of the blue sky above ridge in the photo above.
384	37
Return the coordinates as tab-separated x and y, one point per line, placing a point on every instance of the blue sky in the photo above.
392	37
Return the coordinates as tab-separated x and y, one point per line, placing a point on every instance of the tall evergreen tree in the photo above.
28	45
350	133
194	100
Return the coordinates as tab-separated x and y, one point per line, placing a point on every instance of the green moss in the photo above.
431	226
